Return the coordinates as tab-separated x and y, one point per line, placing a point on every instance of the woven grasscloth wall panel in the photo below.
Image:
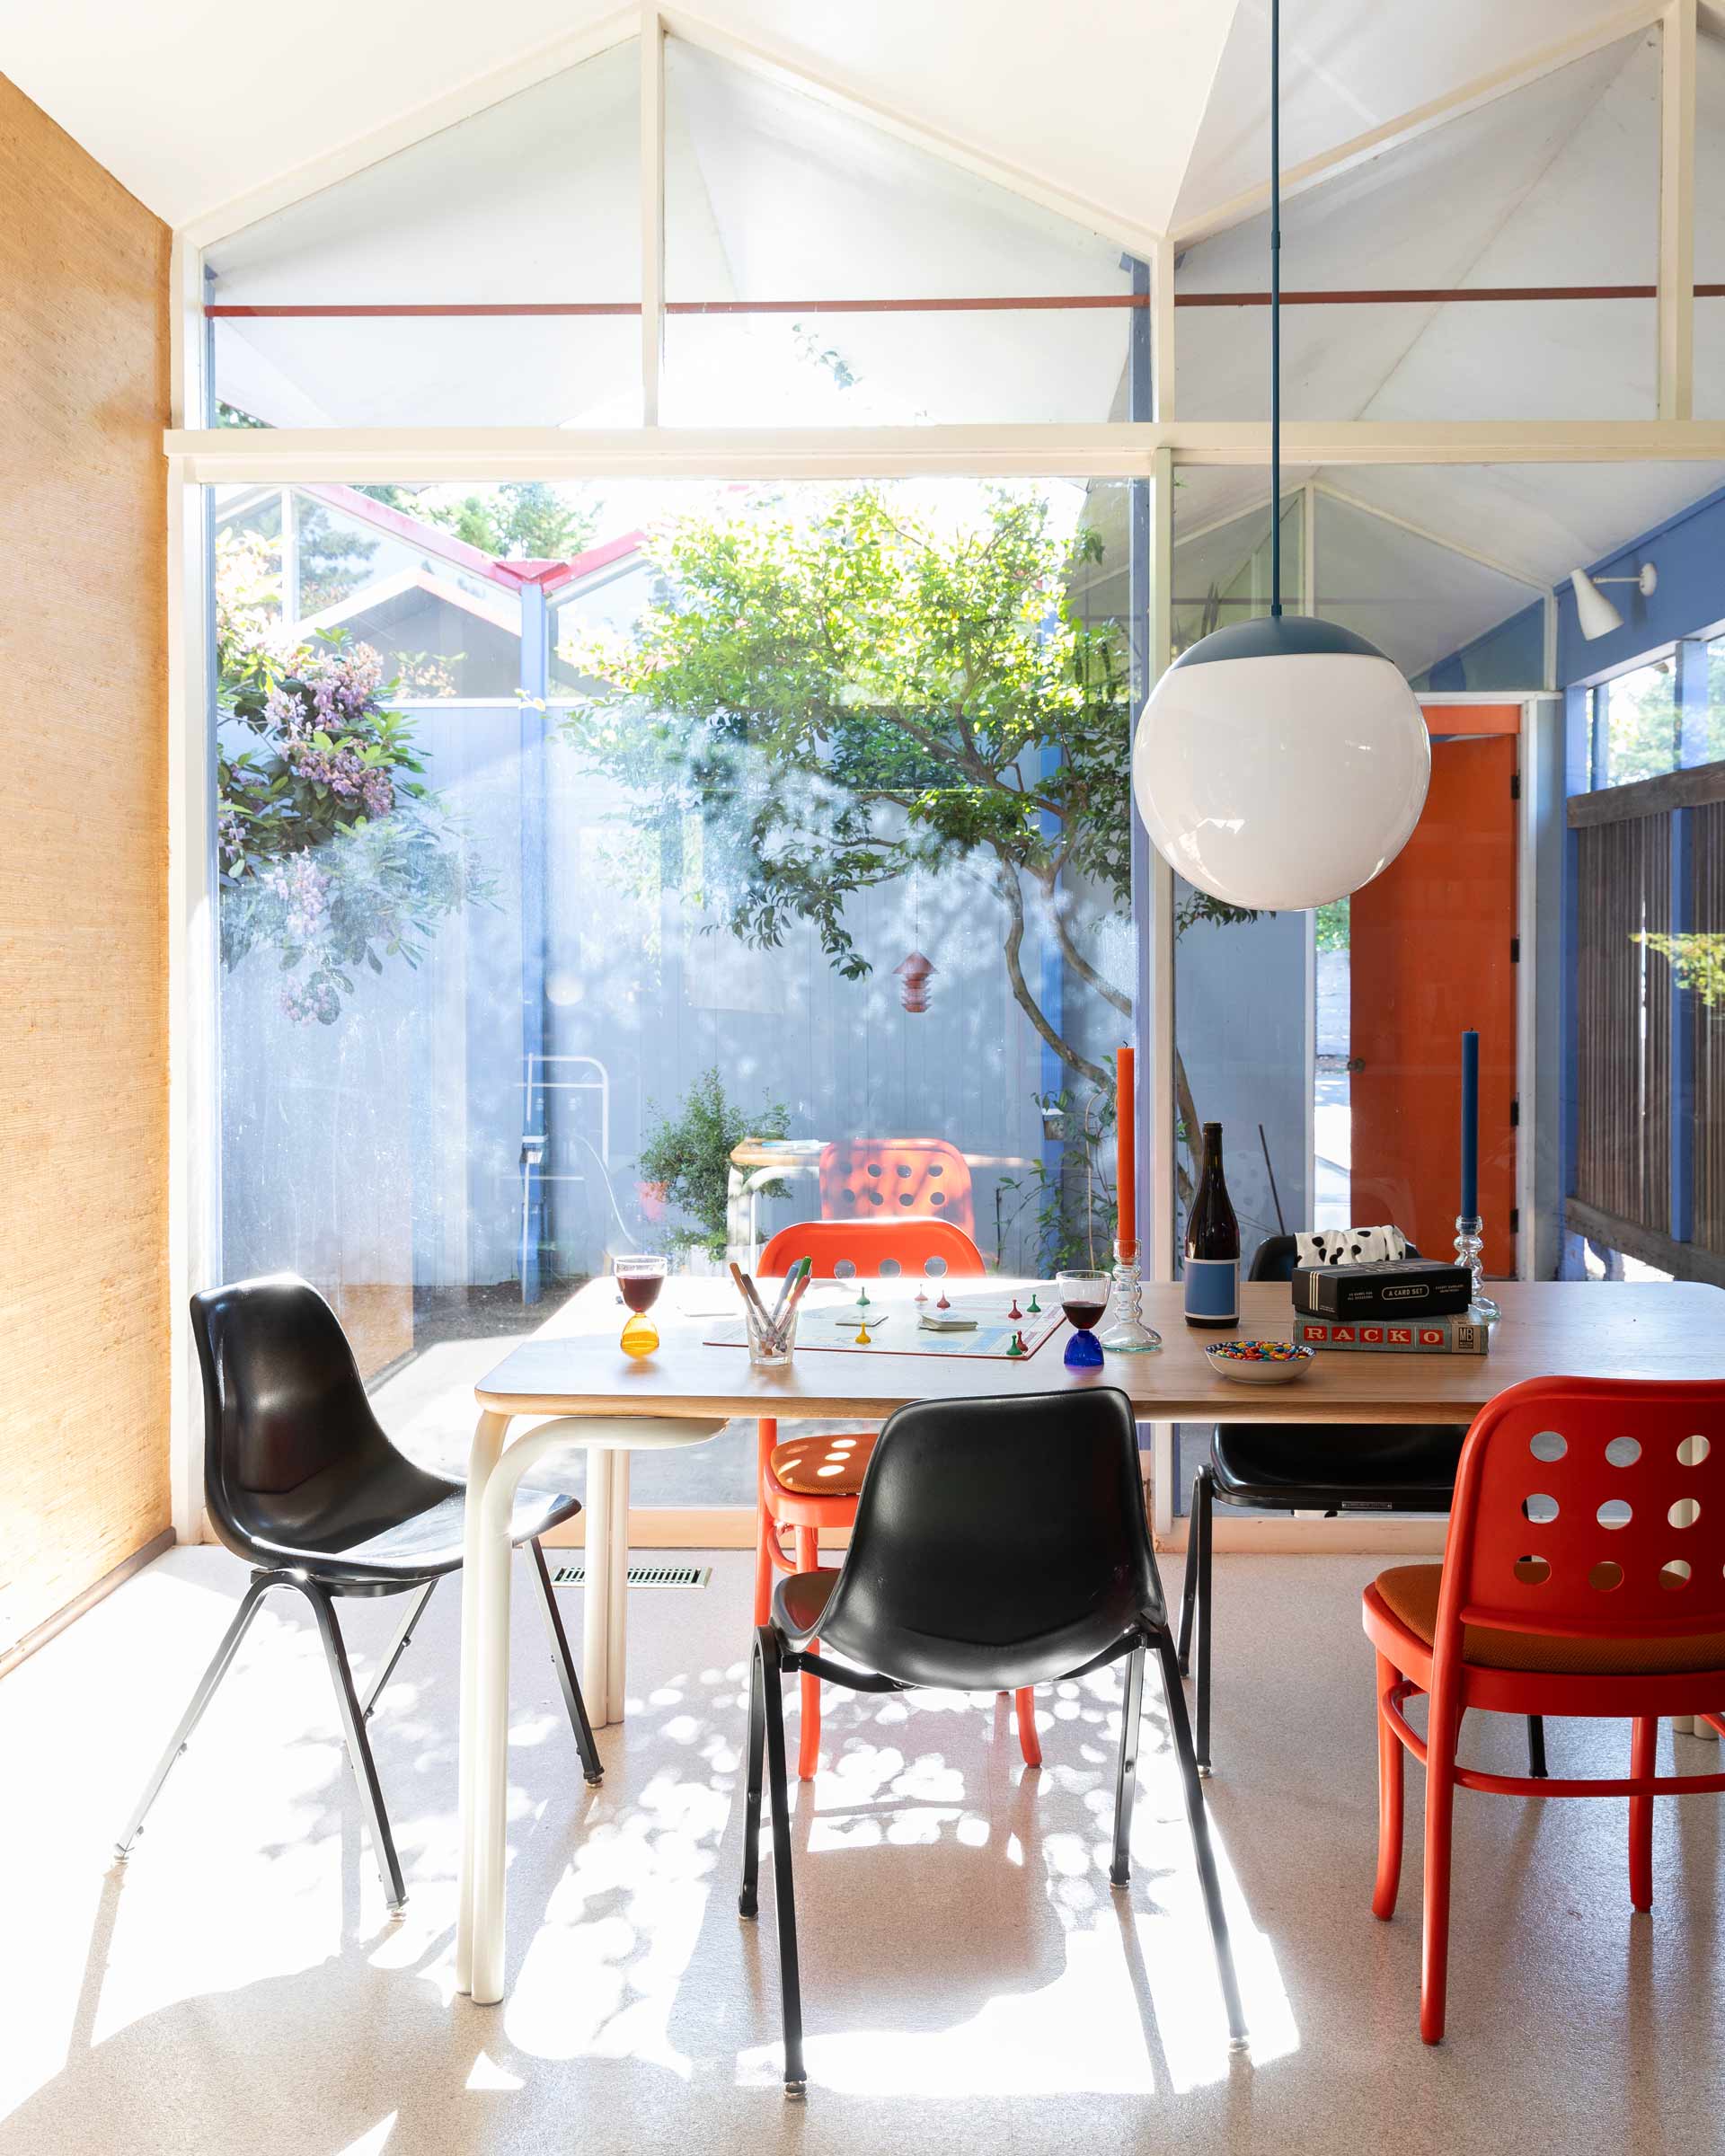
83	362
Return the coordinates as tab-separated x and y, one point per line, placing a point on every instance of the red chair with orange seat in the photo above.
896	1178
811	1483
1584	1575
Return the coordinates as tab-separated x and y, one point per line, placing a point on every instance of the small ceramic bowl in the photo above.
1259	1361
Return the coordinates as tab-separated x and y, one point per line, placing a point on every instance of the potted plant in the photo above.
685	1163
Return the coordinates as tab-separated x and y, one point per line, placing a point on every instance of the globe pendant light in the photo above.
1280	764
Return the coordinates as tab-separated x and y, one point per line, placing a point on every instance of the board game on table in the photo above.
917	1317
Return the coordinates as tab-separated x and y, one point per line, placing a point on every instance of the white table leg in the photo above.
595	1604
616	1615
488	1444
491	1721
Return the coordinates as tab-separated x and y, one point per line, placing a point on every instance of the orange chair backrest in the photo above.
867	1248
896	1178
1589	1506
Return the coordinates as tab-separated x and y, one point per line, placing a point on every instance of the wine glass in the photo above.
640	1280
1084	1296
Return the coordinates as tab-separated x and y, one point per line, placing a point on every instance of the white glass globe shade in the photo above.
1281	763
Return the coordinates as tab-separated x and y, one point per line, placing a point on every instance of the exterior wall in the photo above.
84	353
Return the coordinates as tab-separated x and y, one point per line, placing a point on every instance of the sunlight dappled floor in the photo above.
970	1975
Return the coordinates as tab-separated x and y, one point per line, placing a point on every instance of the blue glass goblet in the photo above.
1084	1296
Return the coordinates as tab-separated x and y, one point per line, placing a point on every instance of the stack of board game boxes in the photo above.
1402	1306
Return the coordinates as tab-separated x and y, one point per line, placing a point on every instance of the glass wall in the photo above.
426	290
777	205
1554	186
771	812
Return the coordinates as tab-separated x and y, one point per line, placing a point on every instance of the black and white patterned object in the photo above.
1350	1246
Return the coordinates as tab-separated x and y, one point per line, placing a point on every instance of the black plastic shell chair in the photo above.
301	1482
1308	1467
998	1543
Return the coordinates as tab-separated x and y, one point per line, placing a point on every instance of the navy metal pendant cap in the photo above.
1282	636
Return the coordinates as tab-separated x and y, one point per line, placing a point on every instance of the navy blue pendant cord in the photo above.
1275	309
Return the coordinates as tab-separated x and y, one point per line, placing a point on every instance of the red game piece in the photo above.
943	1304
1015	1312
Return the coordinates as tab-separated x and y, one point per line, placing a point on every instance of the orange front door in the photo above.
1431	956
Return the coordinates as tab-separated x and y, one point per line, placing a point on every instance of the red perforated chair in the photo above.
811	1483
1584	1575
896	1178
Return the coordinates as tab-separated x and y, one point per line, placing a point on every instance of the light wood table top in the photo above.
1549	1329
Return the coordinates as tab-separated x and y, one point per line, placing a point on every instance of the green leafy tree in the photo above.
521	520
855	697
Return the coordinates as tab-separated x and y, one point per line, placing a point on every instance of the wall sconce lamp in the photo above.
1595	612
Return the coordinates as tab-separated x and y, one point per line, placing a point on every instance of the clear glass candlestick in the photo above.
1469	1241
1128	1334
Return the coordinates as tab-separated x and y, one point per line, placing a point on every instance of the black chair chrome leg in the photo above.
353	1728
565	1663
403	1640
748	1900
1126	1773
1200	1825
260	1586
1204	1525
771	1682
1188	1580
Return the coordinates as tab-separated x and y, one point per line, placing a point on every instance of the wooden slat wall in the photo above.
84	361
1625	1074
1708	853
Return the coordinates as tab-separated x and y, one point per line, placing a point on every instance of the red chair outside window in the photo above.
1584	1575
896	1178
808	1484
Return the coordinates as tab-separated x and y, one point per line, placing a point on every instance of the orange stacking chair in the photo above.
1584	1575
811	1483
896	1178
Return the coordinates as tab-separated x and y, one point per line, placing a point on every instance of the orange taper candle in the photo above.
1126	1113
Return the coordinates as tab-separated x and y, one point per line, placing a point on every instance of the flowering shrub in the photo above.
331	853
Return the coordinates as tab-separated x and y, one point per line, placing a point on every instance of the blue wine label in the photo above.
1213	1288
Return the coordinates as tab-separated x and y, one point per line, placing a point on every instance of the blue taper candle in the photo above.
1470	1126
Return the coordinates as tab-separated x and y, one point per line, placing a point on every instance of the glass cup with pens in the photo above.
772	1333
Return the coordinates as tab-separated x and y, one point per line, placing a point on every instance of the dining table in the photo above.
573	1375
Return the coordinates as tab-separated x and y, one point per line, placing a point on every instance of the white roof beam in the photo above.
1127	231
1518	574
446	111
372	456
1408	126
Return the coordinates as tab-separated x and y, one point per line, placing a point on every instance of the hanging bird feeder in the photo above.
913	981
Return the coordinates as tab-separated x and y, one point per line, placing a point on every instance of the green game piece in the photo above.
1036	1308
1016	1349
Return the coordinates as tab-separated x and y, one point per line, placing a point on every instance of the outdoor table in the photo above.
574	1366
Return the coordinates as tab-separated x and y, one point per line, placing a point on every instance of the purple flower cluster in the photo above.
346	772
230	836
303	1001
303	891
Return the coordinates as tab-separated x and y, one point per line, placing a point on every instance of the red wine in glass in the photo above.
1084	1296
639	1281
1085	1316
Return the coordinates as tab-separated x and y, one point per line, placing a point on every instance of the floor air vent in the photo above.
641	1576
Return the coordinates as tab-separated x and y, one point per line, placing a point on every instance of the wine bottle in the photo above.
1212	1244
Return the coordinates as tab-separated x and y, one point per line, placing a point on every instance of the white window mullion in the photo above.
1676	300
653	212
